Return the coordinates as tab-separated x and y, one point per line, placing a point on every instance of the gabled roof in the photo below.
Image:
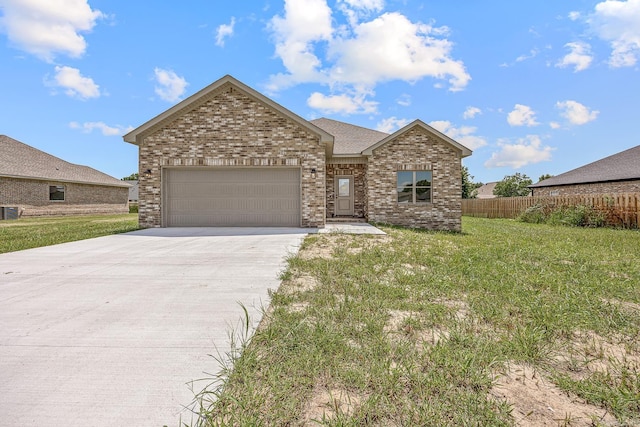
349	139
623	166
486	191
418	123
19	160
134	136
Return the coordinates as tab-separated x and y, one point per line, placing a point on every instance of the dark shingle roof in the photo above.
619	167
22	161
349	139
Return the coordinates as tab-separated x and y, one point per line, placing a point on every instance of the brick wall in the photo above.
228	128
358	172
415	149
596	188
32	197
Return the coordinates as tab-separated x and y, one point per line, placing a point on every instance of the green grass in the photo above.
413	329
16	235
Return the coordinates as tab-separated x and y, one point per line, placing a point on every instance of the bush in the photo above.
574	216
133	208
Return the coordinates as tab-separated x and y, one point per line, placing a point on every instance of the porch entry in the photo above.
344	195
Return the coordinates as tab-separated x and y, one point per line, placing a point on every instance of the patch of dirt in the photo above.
301	283
396	327
624	305
326	244
461	308
589	352
298	307
536	401
327	403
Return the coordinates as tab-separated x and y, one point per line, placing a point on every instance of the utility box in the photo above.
9	212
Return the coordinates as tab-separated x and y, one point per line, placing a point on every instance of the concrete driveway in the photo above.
110	331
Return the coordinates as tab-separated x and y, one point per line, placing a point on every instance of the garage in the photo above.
232	197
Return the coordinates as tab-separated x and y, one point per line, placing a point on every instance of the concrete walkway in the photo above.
110	331
351	228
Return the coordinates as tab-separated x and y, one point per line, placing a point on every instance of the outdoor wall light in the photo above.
147	173
313	173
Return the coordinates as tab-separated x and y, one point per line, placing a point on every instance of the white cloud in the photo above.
574	15
305	22
471	112
393	48
522	115
404	100
357	56
579	56
464	134
618	22
88	127
554	125
45	28
532	54
525	151
344	104
170	87
74	84
224	31
576	113
391	124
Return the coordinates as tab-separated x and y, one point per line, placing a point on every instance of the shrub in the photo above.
574	216
133	208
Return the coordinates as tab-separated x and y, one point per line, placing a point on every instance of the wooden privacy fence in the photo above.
620	209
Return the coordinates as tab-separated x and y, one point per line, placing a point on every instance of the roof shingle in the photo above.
618	167
349	139
23	161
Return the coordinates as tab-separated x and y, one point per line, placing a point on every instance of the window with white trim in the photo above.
414	186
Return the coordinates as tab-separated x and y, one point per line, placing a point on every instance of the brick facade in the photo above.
229	128
32	198
415	149
594	188
358	171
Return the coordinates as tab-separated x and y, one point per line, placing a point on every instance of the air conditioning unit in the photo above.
9	212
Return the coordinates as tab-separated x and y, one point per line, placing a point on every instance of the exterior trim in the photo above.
540	185
36	178
464	150
347	160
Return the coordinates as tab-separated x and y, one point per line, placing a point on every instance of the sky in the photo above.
535	87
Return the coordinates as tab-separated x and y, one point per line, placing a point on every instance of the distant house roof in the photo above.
19	160
348	138
486	191
623	166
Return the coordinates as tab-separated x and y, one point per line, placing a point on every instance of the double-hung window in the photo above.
414	186
56	193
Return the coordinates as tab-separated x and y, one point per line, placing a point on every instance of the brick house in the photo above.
230	156
39	184
619	173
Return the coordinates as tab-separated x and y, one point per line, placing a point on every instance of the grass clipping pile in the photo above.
514	391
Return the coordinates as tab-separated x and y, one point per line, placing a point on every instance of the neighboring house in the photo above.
486	191
619	173
229	156
38	183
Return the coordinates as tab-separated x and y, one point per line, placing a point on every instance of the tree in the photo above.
468	187
132	177
545	176
513	186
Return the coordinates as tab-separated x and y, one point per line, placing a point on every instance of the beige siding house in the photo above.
619	173
229	156
39	184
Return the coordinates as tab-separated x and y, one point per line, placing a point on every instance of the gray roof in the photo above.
349	139
623	166
19	160
486	191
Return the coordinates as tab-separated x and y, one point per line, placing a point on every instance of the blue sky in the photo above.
532	87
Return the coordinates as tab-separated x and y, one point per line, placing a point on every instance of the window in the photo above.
414	186
56	193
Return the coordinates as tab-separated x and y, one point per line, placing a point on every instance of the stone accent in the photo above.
230	128
416	149
32	198
358	171
594	188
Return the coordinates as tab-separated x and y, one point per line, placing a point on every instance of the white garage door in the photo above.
232	197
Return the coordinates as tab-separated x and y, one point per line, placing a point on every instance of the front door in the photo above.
344	195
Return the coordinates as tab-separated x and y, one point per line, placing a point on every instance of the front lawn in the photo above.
26	233
506	323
